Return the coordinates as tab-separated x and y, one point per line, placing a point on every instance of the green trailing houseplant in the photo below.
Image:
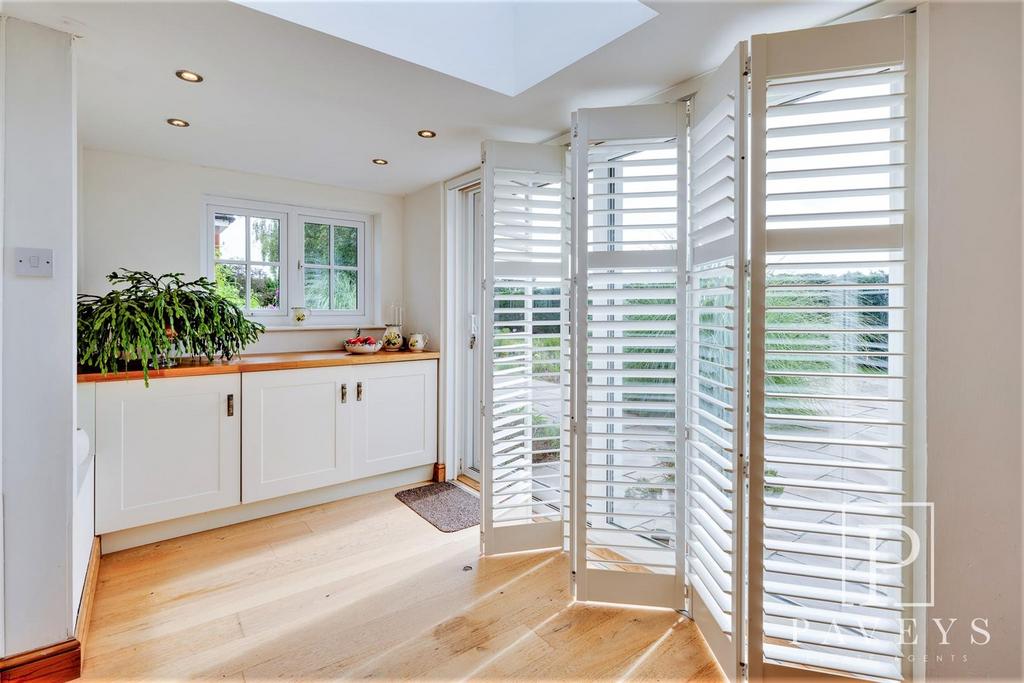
148	318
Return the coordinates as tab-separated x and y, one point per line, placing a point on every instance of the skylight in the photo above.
504	46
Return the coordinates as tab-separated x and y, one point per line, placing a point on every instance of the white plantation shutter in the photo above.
715	384
524	340
627	187
830	415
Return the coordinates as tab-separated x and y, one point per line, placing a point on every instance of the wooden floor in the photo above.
364	588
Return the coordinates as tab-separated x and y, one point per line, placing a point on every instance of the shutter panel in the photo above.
524	338
830	415
628	185
715	361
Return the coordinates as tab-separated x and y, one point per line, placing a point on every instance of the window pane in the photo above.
230	280
265	283
317	288
346	246
317	244
229	237
346	290
264	239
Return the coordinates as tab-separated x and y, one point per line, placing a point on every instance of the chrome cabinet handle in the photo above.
231	405
344	393
359	391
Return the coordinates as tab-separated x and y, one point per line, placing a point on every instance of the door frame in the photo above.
460	409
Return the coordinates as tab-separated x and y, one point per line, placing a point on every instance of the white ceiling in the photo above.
513	46
284	100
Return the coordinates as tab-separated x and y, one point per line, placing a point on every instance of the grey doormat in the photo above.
443	504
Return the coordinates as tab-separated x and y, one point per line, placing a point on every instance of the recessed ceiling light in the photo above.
190	76
426	133
379	162
178	123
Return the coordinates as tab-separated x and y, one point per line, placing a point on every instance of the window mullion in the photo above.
248	264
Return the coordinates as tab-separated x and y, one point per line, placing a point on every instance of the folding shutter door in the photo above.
524	343
715	347
829	420
627	198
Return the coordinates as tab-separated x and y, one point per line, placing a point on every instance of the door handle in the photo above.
344	393
359	391
231	405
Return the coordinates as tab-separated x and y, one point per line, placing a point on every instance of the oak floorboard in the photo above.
365	588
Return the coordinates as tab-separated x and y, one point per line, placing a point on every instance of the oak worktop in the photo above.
261	362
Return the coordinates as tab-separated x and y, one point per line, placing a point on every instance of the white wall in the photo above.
972	131
39	160
147	214
424	262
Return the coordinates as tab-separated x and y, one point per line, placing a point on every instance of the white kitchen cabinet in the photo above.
296	430
166	451
395	416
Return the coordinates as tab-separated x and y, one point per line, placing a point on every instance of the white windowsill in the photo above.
319	328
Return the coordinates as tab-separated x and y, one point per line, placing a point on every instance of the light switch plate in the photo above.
33	262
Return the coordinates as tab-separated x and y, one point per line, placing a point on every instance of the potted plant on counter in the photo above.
152	319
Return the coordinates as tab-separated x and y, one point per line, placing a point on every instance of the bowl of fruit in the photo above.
363	345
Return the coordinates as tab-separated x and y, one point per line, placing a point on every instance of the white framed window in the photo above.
332	263
248	250
271	258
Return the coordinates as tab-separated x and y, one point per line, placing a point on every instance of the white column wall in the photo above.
38	337
970	132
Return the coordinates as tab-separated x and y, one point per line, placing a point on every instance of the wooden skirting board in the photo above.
92	579
62	661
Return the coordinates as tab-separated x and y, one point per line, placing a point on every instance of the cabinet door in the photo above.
297	432
166	451
395	417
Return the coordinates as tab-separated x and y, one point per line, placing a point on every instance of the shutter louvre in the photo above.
829	331
715	372
626	166
524	338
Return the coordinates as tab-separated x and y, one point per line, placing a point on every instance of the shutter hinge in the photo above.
743	671
483	157
746	66
689	279
687	434
686	591
745	466
746	268
483	284
483	410
575	130
572	425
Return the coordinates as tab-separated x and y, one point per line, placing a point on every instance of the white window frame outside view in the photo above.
292	261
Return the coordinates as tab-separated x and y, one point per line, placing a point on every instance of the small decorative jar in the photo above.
418	342
299	314
393	337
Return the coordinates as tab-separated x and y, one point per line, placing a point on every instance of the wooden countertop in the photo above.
260	362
